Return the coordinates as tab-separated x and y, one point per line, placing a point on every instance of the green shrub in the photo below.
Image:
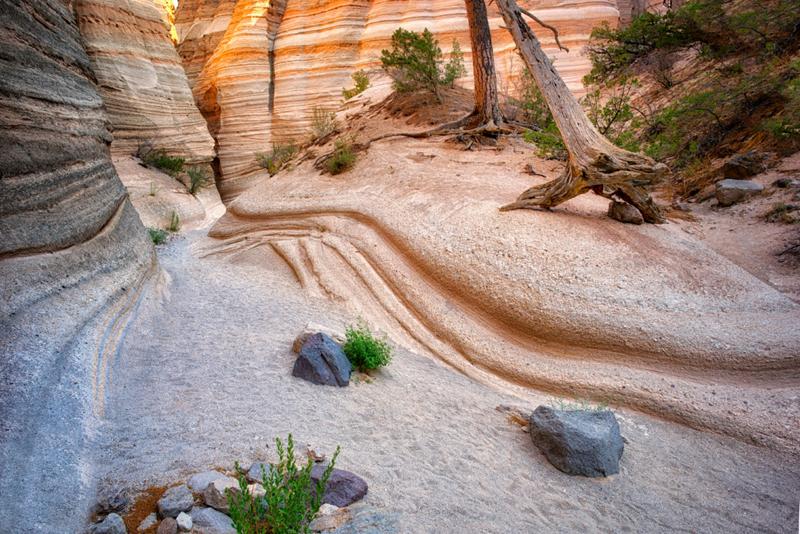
548	142
273	161
342	158
199	177
365	351
174	223
158	236
532	102
323	122
361	80
290	503
153	188
149	155
415	62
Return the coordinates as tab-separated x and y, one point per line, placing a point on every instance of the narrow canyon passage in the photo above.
202	379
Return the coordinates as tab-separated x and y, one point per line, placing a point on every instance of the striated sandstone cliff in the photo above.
140	78
73	256
258	68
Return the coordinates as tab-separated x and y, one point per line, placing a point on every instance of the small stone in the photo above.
184	522
343	487
174	501
322	361
168	526
326	509
148	522
578	443
216	495
312	329
199	481
111	498
112	524
782	182
210	521
624	212
256	474
256	490
730	192
744	166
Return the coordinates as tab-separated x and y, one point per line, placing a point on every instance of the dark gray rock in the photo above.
783	183
744	166
256	474
111	498
199	481
730	192
168	526
322	361
174	501
216	494
210	521
624	212
343	487
112	524
578	443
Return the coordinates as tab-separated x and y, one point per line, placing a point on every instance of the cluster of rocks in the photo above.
737	170
201	505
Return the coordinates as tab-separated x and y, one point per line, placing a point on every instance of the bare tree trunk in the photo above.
594	164
487	106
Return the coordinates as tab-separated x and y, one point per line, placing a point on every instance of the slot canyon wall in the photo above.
73	258
258	68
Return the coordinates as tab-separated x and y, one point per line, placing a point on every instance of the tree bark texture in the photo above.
594	163
487	106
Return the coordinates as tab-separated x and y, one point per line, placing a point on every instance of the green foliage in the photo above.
788	124
149	155
342	157
609	108
281	154
548	142
153	188
532	102
416	62
781	213
174	222
158	236
199	177
361	81
364	350
323	122
290	503
585	404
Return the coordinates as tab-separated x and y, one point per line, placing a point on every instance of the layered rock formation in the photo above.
140	78
258	68
73	257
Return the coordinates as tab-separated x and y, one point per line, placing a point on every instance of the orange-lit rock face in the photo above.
258	68
140	78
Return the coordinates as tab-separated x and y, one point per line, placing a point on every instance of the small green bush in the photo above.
323	122
365	351
415	62
174	222
342	158
281	154
361	80
199	177
153	188
291	503
157	235
548	142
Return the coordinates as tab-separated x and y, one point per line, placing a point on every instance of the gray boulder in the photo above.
744	166
322	361
624	212
343	487
730	192
199	481
112	524
174	501
216	495
578	443
210	521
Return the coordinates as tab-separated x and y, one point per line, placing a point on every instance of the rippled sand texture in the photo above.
558	301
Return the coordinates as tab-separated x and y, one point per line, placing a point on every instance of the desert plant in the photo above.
415	62
342	157
274	160
361	81
781	213
585	404
174	222
364	350
153	188
290	503
323	122
199	177
157	235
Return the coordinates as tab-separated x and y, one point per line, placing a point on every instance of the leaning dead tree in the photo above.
594	163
